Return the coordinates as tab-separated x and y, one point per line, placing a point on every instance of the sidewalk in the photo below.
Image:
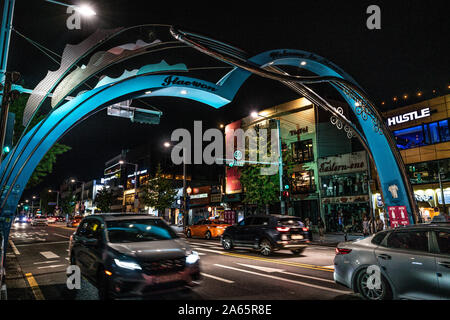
16	285
332	239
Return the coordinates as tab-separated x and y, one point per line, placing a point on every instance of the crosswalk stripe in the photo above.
43	262
49	254
217	278
52	266
208	250
284	279
16	252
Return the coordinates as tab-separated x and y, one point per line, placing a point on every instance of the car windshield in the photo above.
290	222
137	230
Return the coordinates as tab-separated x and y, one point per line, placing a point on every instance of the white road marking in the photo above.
309	277
53	266
48	242
201	253
16	252
51	261
286	280
67	258
205	244
265	269
49	254
217	278
208	250
60	235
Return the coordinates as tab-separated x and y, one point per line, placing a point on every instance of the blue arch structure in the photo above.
32	148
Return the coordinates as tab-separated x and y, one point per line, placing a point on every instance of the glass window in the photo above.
290	222
94	229
410	137
303	182
444	131
413	240
302	151
443	239
246	221
378	238
260	221
434	132
138	230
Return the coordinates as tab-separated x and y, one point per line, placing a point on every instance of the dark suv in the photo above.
131	255
267	234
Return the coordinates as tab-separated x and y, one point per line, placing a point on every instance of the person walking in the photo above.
379	224
365	225
308	224
321	226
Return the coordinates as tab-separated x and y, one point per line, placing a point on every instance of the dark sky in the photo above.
409	53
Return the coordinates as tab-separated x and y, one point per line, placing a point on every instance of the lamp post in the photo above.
255	114
167	145
136	199
57	196
82	188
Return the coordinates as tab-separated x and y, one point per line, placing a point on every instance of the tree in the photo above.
104	199
159	192
68	204
45	166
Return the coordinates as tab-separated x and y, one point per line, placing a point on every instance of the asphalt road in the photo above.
42	252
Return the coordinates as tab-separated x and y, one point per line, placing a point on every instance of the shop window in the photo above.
303	182
433	132
302	151
410	137
444	131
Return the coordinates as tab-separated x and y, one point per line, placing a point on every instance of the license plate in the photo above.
296	237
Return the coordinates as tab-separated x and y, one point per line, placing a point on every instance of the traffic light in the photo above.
286	194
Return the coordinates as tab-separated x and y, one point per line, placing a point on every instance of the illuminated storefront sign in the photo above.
199	196
346	163
410	116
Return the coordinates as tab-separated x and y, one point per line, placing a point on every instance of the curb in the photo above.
15	280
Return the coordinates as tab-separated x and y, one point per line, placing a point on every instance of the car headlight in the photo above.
192	257
127	264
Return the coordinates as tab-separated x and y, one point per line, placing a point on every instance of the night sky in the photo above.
408	54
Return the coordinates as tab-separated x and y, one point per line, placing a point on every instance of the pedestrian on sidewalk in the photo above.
379	224
308	224
321	226
365	225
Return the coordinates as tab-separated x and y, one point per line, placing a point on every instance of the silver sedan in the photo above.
410	262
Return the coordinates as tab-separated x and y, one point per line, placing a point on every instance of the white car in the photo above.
39	221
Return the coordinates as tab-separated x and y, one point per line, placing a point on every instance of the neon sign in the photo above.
410	116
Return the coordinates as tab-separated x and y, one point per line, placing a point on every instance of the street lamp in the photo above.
82	189
167	145
83	9
57	196
255	114
136	203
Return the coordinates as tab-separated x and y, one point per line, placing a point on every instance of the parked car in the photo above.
74	222
413	261
267	233
207	229
129	255
39	220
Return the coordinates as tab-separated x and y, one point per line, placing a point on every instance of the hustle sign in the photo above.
410	116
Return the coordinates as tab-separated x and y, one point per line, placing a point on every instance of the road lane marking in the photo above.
49	254
34	286
284	279
205	244
201	253
330	267
309	277
16	252
265	269
47	242
208	250
52	266
217	278
60	235
51	261
288	263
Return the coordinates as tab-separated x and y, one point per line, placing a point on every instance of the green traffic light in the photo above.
6	149
286	186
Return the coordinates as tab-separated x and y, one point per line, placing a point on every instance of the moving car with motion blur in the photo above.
207	229
39	220
21	219
132	255
60	219
411	262
51	219
267	234
74	222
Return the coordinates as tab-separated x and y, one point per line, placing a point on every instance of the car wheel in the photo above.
265	247
383	292
227	244
103	285
208	235
188	233
298	252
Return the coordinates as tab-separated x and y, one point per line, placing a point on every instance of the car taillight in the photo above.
283	229
343	251
305	229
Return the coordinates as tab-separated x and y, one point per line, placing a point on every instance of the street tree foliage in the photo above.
104	200
159	192
68	204
259	190
46	164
